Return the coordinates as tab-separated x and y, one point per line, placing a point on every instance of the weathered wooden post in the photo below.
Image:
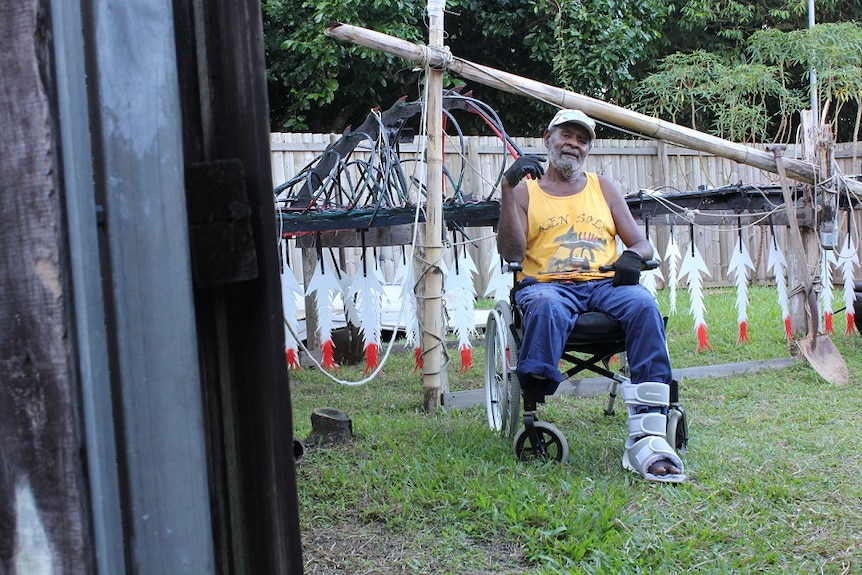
44	517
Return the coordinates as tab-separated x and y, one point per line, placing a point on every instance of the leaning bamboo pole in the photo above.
609	113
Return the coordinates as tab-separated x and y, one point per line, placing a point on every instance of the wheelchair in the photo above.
857	306
595	339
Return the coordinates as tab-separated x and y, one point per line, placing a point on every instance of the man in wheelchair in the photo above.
561	224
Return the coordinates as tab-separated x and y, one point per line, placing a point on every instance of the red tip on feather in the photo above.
851	319
466	358
418	360
702	341
370	358
828	327
328	360
788	331
292	362
743	333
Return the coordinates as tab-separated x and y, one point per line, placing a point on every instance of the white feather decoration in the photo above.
650	278
695	268
368	289
462	297
290	288
672	256
847	261
499	283
325	287
828	261
778	264
739	266
405	276
351	315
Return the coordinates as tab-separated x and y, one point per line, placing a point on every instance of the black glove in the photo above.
525	165
627	269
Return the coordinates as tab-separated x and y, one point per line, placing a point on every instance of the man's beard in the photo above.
566	165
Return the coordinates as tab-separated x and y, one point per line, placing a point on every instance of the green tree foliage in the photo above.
741	69
703	91
724	25
318	84
756	96
734	68
598	45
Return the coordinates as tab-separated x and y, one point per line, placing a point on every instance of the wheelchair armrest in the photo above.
513	267
646	265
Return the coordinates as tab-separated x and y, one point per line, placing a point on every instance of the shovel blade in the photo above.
825	358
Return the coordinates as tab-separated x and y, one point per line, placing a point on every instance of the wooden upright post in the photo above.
433	337
803	266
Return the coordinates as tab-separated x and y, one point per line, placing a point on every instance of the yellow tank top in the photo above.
569	238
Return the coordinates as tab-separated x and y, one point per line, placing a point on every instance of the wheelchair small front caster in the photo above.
540	440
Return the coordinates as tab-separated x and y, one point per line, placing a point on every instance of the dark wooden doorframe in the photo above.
240	323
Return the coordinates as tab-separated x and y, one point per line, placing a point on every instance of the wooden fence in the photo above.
634	164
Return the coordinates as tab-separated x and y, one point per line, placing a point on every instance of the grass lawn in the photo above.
774	464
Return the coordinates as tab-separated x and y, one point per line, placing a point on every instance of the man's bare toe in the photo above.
664	467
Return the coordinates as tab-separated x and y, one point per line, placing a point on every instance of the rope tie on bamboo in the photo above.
434	57
803	289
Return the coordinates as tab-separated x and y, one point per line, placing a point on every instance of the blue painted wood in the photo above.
89	333
139	178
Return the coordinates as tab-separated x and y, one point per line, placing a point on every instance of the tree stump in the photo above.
329	427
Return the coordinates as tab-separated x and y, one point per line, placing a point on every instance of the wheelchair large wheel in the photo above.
550	445
677	428
502	389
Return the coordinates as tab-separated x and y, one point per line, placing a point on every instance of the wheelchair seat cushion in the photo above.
596	327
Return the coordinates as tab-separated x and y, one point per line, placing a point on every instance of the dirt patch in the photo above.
365	549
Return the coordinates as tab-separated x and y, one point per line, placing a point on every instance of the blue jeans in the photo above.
551	310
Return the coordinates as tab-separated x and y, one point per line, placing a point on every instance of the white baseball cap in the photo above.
576	117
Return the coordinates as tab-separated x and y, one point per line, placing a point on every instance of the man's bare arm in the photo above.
512	227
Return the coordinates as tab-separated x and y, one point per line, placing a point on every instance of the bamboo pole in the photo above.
433	336
609	113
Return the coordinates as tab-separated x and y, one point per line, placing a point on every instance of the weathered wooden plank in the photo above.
88	332
240	327
43	516
139	147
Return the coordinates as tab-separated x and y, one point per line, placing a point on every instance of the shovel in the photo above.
818	349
